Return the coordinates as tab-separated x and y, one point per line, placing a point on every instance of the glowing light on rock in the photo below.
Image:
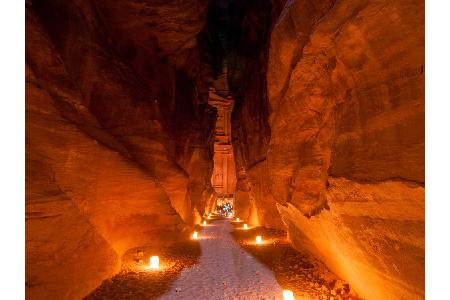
288	295
204	223
258	239
195	235
245	226
154	262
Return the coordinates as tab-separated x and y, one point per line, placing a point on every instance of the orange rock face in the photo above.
117	156
342	157
324	135
250	129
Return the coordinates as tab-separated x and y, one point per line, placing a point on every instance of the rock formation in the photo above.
118	143
327	132
337	143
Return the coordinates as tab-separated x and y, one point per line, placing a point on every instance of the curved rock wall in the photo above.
327	127
118	145
251	131
343	159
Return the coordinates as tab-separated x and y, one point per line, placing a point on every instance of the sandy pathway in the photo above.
224	271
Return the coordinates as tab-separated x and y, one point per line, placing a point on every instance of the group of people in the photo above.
225	208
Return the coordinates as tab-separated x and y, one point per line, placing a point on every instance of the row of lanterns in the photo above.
154	260
245	227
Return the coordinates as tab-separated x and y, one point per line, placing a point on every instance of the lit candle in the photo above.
245	226
204	223
288	295
258	239
237	219
154	262
195	235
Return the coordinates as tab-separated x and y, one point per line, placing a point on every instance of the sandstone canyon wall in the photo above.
251	131
335	146
118	141
327	130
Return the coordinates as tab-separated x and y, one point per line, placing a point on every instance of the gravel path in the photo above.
224	271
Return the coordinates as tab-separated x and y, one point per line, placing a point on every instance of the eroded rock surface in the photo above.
340	145
251	131
327	130
118	149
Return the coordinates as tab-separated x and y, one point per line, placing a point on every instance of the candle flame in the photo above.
154	262
258	239
288	295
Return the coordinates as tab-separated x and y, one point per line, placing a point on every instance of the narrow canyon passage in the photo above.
224	271
304	119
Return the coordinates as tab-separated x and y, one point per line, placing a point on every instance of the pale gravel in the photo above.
224	271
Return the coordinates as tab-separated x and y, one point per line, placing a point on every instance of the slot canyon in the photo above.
147	120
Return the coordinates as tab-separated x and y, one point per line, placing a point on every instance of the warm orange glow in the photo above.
245	226
195	235
288	295
154	262
258	239
204	223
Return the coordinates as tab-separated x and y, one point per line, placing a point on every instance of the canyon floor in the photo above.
295	270
136	282
224	271
231	266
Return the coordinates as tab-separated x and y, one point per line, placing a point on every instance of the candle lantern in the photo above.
154	262
288	295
